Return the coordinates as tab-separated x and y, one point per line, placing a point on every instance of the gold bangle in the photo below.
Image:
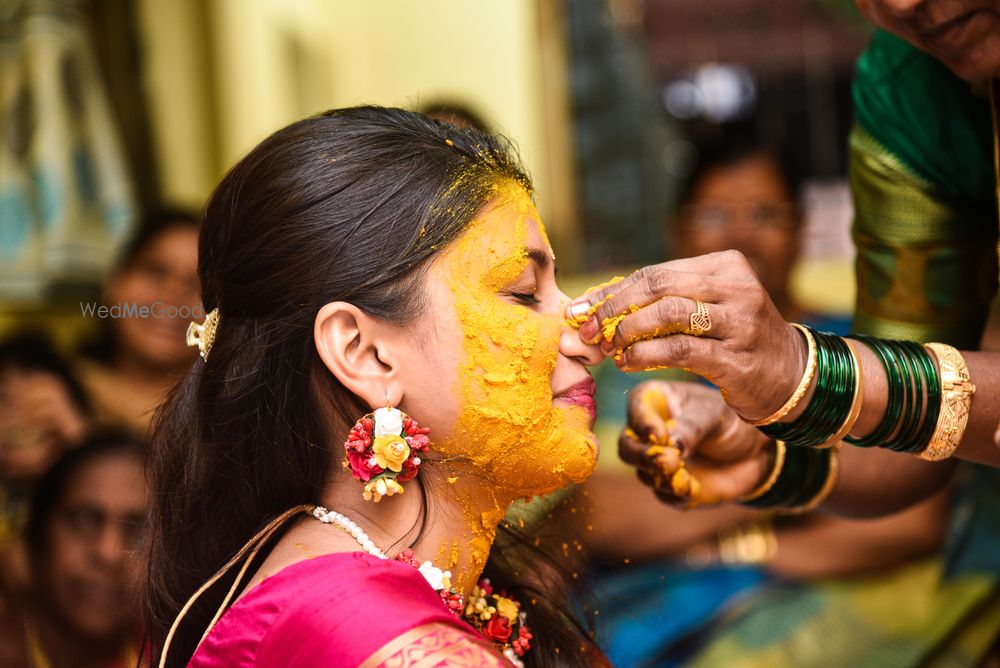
756	543
772	477
956	400
800	391
856	401
828	485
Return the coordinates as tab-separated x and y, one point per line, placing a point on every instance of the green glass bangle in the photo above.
932	410
826	393
831	403
922	397
811	483
802	477
782	431
826	421
894	404
914	405
914	396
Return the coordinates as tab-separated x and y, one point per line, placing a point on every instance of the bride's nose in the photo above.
572	346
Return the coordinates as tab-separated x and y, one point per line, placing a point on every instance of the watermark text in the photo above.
124	310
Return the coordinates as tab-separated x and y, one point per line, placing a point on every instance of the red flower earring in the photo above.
383	451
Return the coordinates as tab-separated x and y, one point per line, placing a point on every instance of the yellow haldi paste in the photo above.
508	432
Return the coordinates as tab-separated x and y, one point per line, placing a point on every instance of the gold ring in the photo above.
700	321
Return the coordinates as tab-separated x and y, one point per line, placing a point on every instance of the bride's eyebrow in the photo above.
541	258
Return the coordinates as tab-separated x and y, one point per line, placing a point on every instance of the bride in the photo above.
384	369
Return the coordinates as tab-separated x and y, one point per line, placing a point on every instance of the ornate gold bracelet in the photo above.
800	391
772	477
956	400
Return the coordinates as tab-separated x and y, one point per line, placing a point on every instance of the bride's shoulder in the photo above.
333	610
344	583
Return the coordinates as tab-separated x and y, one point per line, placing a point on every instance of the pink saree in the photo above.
347	609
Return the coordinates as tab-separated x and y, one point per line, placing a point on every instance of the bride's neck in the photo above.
462	514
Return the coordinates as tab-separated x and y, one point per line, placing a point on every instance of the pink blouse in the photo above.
345	609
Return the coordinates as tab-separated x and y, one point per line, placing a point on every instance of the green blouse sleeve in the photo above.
921	176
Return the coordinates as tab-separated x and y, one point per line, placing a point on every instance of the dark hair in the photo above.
728	144
347	205
51	487
456	114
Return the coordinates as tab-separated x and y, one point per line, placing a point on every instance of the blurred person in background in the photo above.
924	177
44	411
743	193
80	604
43	408
681	573
129	367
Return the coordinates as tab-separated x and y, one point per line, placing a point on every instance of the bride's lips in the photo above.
582	395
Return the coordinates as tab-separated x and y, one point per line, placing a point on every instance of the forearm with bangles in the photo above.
934	403
929	408
865	483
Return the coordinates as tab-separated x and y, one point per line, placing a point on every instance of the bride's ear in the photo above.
357	349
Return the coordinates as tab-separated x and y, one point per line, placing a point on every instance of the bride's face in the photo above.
501	378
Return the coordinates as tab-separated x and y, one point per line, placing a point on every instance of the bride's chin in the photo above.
584	406
570	462
580	419
585	450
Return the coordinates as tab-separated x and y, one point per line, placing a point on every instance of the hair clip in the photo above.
204	334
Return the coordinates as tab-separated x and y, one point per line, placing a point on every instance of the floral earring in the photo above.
383	451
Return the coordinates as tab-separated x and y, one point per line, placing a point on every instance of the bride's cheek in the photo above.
508	425
508	428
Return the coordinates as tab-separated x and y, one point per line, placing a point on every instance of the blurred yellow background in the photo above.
214	77
223	74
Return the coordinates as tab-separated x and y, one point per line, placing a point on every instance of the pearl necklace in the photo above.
349	526
440	581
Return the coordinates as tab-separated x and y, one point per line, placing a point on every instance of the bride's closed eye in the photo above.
528	289
533	280
526	298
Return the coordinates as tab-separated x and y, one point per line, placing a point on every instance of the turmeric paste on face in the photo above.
508	432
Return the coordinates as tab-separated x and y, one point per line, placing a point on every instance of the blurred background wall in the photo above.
601	96
223	74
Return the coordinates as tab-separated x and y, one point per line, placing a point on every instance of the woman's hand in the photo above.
744	346
38	420
679	426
